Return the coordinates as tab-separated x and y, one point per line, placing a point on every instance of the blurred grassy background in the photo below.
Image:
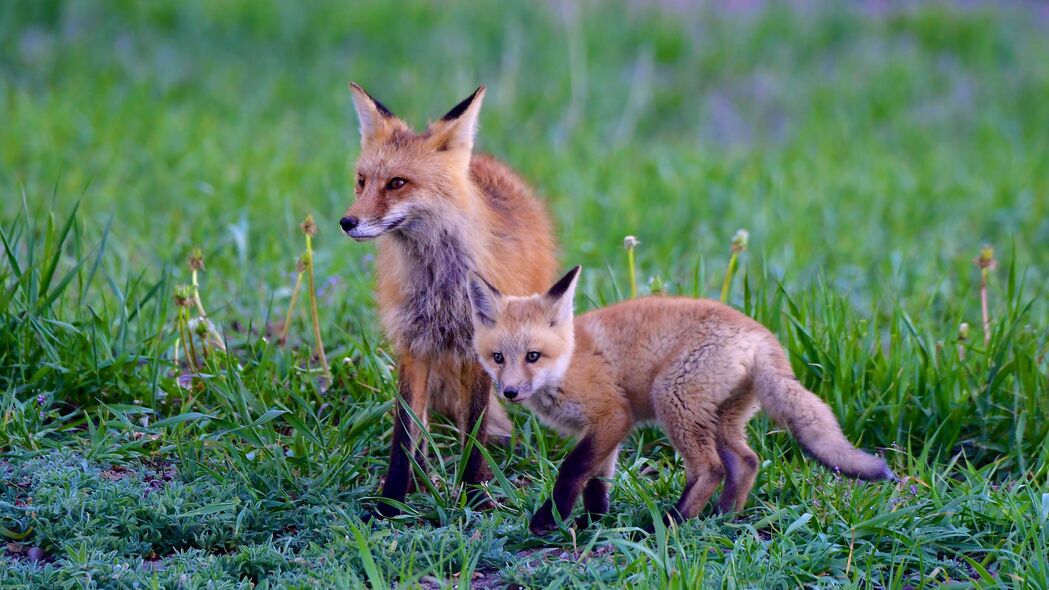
870	148
876	145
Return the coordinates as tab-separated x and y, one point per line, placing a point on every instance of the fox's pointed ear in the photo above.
457	129
561	296
484	299
376	120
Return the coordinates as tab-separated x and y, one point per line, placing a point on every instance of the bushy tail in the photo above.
810	420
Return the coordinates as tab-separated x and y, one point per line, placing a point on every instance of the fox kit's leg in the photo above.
687	396
740	461
412	391
595	493
695	440
591	455
478	388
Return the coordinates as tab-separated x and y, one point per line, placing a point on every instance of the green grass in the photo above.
869	151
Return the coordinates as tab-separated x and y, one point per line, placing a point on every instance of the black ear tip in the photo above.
562	285
475	280
490	286
458	110
385	112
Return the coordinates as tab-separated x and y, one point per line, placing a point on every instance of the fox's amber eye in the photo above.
532	356
497	357
360	180
395	183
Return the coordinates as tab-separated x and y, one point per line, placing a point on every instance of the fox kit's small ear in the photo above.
457	129
484	299
561	296
376	120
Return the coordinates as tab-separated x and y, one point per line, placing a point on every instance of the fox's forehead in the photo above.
402	148
511	342
524	311
523	324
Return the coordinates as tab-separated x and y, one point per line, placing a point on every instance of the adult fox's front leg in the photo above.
478	387
413	397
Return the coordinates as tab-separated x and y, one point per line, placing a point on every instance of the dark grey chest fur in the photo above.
557	411
436	315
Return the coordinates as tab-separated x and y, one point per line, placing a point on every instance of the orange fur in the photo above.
699	368
439	212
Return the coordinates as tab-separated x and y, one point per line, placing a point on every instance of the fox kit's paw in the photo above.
543	521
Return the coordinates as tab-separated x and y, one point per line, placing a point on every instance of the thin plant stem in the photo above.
196	264
178	340
631	243
313	308
986	263
202	332
984	309
739	244
729	273
633	273
291	309
184	336
196	296
192	348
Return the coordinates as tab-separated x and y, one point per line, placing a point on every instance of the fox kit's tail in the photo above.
809	419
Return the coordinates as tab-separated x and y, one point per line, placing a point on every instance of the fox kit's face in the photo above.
402	176
525	343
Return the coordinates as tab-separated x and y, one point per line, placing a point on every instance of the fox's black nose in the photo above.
349	223
510	393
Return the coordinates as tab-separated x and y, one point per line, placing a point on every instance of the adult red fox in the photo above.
440	212
697	367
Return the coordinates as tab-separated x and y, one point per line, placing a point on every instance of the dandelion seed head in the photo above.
739	241
986	258
308	226
196	259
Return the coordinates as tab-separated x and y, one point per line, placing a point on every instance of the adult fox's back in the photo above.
521	224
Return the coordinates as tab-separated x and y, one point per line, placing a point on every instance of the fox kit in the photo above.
699	368
440	212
